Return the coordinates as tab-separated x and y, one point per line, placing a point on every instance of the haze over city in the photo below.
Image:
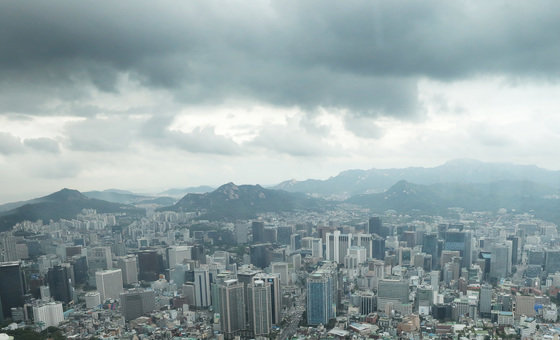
149	97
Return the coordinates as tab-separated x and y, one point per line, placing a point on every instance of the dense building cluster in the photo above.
335	274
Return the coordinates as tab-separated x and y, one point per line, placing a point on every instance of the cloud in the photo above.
361	55
292	141
42	144
202	140
364	127
10	144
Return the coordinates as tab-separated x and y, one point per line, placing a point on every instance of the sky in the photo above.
146	96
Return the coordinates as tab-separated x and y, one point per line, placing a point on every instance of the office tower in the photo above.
241	233
500	262
405	256
48	314
260	255
391	291
232	308
11	287
364	240
430	246
79	267
177	255
257	229
367	303
150	264
424	299
485	301
295	242
137	302
536	257
109	284
202	287
98	258
320	300
322	295
9	245
409	237
129	267
260	307
552	261
514	249
374	225
460	241
284	233
60	285
337	246
378	247
270	235
281	268
246	277
275	294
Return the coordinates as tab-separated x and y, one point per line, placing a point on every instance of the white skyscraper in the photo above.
48	314
129	267
202	287
281	268
109	284
337	246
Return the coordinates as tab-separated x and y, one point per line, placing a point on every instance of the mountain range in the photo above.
63	204
463	171
472	185
231	201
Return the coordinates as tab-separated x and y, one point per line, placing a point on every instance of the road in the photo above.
293	317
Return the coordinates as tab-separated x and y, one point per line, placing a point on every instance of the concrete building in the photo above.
259	307
109	284
48	314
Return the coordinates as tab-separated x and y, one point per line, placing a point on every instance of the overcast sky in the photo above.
146	95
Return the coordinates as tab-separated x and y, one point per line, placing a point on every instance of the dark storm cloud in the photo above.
364	56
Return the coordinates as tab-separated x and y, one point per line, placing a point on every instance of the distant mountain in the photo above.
244	201
355	182
116	196
523	196
65	203
180	192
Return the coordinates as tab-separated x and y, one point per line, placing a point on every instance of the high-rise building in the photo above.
374	225
260	307
430	246
378	247
552	261
337	246
514	249
129	267
295	242
98	258
322	290
10	251
275	294
109	283
460	241
391	291
150	265
11	287
60	285
178	255
485	301
281	268
260	255
364	240
257	228
202	287
284	234
137	302
500	262
232	308
48	314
